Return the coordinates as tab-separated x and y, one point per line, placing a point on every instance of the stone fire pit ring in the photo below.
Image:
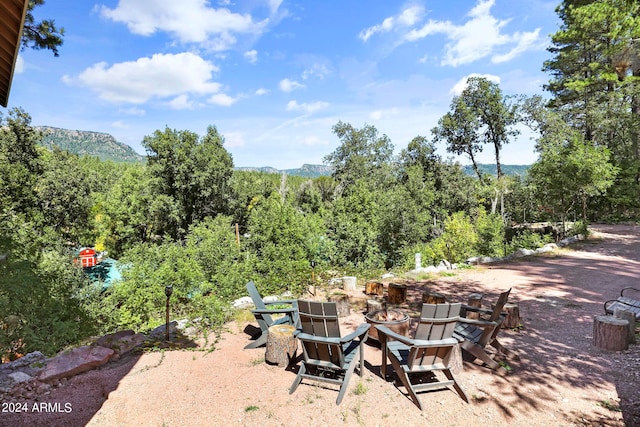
396	320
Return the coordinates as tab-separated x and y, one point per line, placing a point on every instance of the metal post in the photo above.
168	290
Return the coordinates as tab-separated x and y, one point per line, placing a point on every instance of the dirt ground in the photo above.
560	379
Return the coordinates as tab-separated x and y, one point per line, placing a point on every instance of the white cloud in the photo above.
406	18
222	99
251	56
287	85
133	111
307	107
233	139
162	75
316	70
477	38
462	83
119	124
182	102
189	21
261	91
386	113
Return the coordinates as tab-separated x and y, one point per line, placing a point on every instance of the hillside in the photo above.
96	144
509	170
307	171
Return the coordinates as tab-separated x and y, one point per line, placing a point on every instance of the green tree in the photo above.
362	153
571	172
193	172
480	115
43	34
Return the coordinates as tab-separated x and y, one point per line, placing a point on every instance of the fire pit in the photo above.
393	319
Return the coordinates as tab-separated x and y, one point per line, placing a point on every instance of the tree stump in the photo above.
610	333
349	283
397	293
342	304
513	319
630	317
475	300
281	345
376	304
429	297
374	288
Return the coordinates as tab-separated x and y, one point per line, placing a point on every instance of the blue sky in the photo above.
274	76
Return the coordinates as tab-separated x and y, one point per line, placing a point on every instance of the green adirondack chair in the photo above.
429	351
263	314
476	334
327	357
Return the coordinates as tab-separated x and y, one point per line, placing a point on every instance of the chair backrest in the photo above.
320	319
497	308
437	322
265	320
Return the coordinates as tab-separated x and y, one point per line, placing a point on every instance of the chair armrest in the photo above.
628	288
313	338
435	343
479	322
466	307
274	310
362	329
283	301
393	335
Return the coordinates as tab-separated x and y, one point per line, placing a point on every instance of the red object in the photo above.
88	257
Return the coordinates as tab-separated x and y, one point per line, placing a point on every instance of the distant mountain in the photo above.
95	144
308	171
491	169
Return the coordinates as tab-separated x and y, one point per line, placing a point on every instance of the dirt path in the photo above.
560	379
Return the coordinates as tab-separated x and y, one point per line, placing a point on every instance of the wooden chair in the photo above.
327	357
263	314
476	334
429	351
625	303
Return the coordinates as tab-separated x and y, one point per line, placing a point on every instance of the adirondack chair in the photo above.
476	334
625	303
263	314
327	356
429	351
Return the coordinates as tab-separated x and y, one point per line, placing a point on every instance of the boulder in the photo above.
244	302
121	342
73	362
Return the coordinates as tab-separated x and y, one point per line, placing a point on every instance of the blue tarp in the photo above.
106	272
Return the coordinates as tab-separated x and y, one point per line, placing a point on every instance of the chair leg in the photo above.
479	353
404	378
262	340
347	376
502	349
298	379
456	386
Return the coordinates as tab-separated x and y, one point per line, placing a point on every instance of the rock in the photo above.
159	332
270	298
444	264
523	252
73	362
121	342
388	276
19	377
244	302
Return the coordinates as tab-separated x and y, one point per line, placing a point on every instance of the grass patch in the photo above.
609	405
251	408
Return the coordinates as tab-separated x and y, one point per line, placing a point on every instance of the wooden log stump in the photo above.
397	293
610	333
429	297
630	317
513	319
376	304
374	288
281	345
349	283
475	300
342	303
